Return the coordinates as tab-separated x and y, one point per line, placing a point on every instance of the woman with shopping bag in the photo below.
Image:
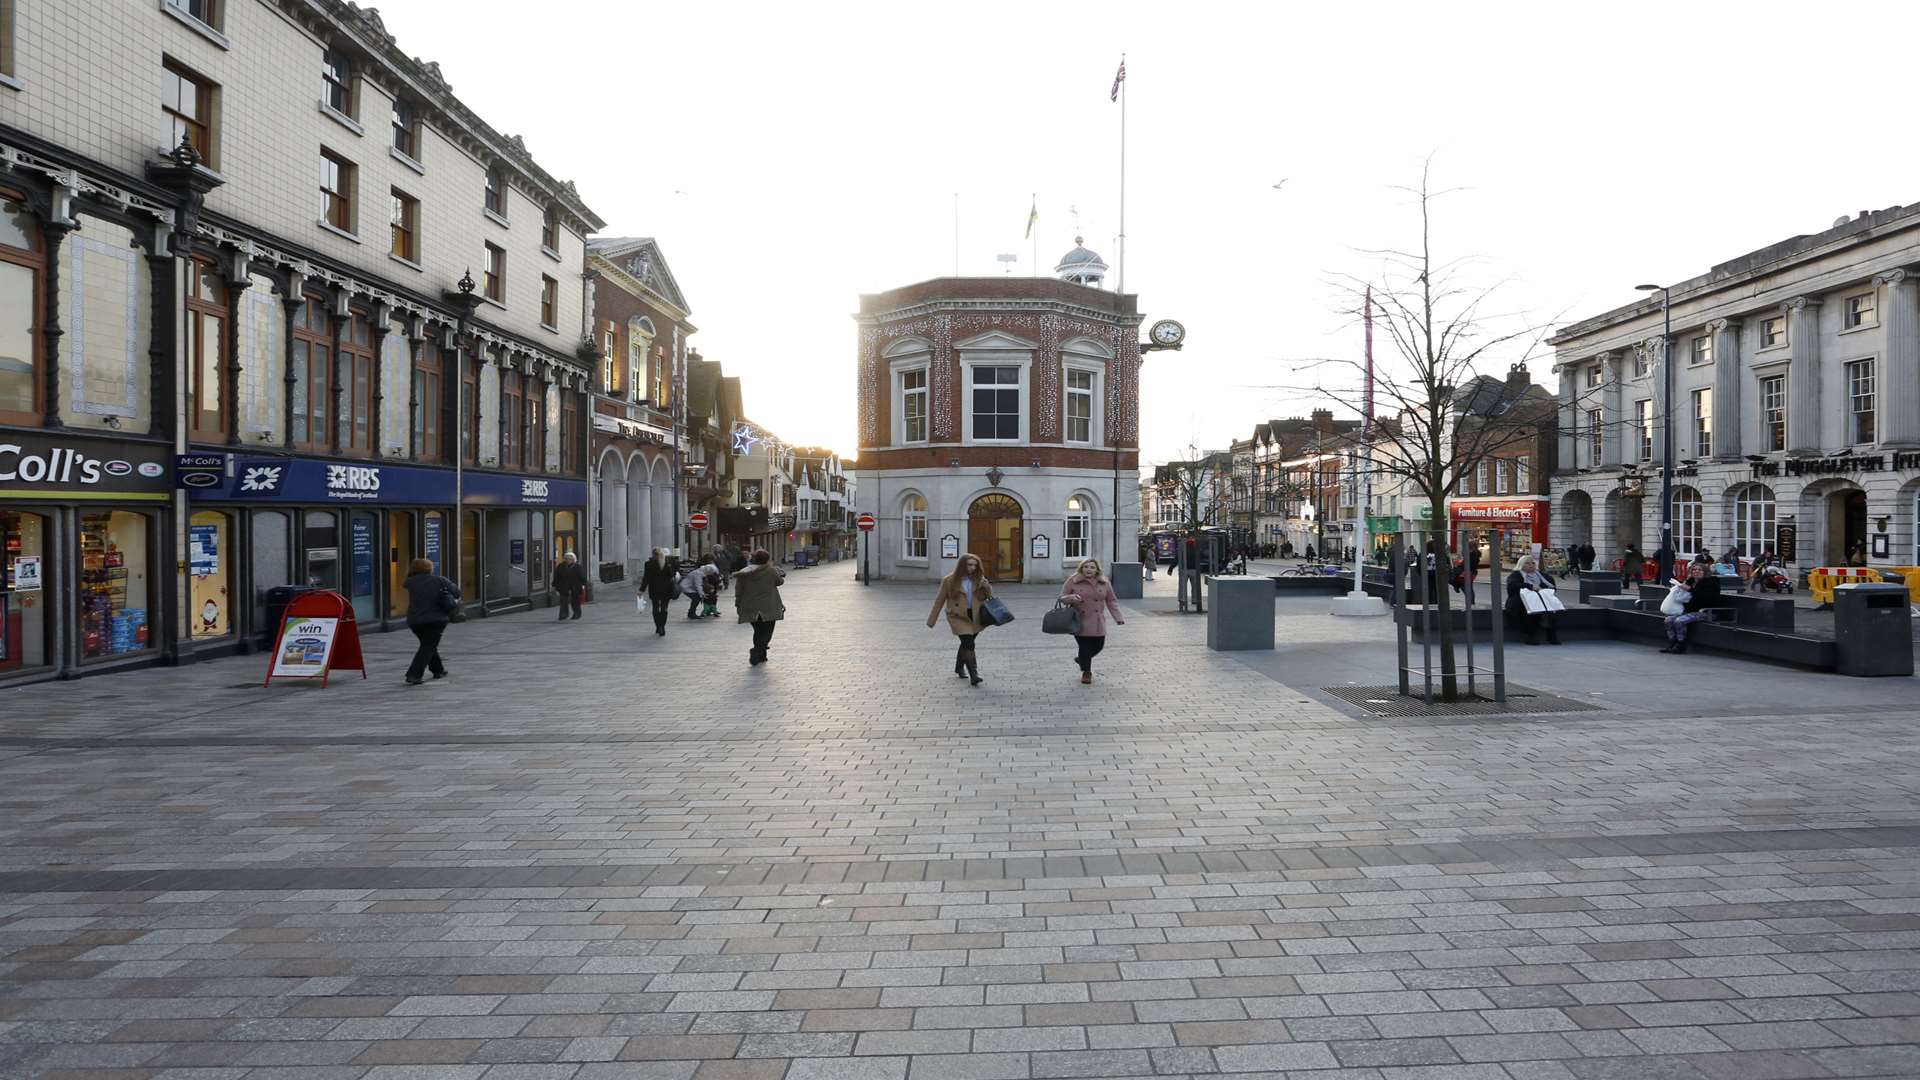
1090	599
1531	601
963	597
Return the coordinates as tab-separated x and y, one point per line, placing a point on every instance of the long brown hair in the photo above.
979	575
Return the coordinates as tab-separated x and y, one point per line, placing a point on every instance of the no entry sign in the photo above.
866	522
698	522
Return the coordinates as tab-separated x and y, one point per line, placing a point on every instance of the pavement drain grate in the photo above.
1387	701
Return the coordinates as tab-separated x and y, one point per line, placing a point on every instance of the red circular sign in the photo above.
866	522
698	521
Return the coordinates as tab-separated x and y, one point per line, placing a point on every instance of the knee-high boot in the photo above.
971	661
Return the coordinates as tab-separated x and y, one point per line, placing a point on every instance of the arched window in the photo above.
1688	532
1079	528
22	265
913	528
1755	519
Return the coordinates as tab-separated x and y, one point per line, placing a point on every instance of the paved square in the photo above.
596	853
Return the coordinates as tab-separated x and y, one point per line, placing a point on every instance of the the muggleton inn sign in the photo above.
1839	464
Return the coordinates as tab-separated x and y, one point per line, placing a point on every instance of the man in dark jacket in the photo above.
756	601
431	602
1704	591
570	581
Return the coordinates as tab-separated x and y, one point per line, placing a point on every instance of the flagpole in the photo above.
1034	212
1123	176
956	234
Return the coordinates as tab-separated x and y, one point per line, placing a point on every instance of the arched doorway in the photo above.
1576	511
611	509
1833	516
994	534
1625	511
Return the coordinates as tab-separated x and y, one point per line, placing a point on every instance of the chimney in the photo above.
1517	378
1323	419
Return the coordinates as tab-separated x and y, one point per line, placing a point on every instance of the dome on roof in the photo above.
1081	266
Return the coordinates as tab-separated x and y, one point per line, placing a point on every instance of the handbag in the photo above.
995	613
1063	619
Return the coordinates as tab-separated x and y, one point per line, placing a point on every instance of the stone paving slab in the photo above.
597	854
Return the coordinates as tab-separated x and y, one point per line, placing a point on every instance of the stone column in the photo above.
1803	375
1659	351
1613	409
1898	385
1569	419
1726	389
234	271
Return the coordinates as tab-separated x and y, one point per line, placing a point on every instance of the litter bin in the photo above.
1872	629
1126	580
278	598
1239	614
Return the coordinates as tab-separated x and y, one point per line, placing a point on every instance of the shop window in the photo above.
355	373
566	533
427	390
26	574
206	352
22	268
312	362
114	585
320	548
209	574
512	418
272	560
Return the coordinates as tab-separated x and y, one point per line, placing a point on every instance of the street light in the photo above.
1666	552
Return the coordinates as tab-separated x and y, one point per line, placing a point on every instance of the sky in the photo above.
790	157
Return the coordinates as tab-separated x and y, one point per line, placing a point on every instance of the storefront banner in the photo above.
304	646
502	489
304	480
25	575
1493	511
361	555
78	467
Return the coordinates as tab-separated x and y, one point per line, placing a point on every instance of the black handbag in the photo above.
1063	619
995	613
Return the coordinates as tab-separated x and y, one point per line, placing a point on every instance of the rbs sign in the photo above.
353	482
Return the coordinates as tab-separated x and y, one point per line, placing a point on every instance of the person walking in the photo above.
1632	565
1703	592
1587	555
660	581
962	593
1528	575
756	600
570	581
1091	594
431	602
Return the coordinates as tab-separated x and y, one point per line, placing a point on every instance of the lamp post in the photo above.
1666	552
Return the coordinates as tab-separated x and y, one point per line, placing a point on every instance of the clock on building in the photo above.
1167	334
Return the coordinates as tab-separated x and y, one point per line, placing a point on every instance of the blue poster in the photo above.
362	554
203	550
430	543
517	552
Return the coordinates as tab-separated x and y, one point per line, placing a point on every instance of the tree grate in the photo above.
1387	701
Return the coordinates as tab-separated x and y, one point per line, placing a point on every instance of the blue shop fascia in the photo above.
262	521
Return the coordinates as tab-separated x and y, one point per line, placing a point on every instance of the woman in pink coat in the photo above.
1090	593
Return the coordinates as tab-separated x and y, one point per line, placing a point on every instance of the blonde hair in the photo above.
1098	573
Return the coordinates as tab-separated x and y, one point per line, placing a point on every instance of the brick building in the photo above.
1000	415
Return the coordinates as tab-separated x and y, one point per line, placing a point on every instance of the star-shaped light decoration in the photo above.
744	438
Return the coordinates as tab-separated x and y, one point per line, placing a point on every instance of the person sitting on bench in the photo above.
1702	592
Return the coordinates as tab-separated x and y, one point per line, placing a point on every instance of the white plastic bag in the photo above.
1676	601
640	603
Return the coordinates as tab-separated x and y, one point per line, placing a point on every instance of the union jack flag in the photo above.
1118	78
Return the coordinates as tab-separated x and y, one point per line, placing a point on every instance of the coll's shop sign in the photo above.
78	467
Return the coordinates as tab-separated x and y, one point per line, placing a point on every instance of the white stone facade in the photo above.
1805	358
1043	495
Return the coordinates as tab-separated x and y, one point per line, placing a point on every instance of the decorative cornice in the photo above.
1058	307
83	184
626	279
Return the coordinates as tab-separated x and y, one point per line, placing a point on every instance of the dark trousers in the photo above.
965	660
1090	646
427	656
569	600
659	608
1532	624
762	637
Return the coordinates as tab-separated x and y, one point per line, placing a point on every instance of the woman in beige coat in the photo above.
962	594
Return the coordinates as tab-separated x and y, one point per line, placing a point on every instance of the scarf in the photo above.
1534	579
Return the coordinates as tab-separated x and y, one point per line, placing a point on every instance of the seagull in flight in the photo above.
1281	184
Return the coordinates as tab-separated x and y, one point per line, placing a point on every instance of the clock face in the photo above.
1168	332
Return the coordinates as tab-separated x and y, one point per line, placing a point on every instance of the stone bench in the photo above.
1628	618
1749	609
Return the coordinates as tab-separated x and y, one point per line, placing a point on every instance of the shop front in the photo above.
513	530
283	521
83	522
1523	523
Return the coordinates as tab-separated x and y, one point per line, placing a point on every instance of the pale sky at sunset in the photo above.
790	157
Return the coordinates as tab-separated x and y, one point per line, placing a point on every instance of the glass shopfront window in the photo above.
566	533
209	574
320	538
114	584
272	559
25	576
363	545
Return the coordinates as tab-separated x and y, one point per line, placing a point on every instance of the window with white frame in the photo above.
1860	310
913	405
1480	478
1079	405
1079	528
636	364
1773	332
1499	476
1773	412
913	528
1703	349
996	402
1642	361
1860	427
1596	435
1687	520
1643	426
1520	469
1703	422
1593	377
1755	518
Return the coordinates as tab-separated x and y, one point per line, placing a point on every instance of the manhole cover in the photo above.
1387	701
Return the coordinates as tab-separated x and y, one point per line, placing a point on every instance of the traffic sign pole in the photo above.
866	523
